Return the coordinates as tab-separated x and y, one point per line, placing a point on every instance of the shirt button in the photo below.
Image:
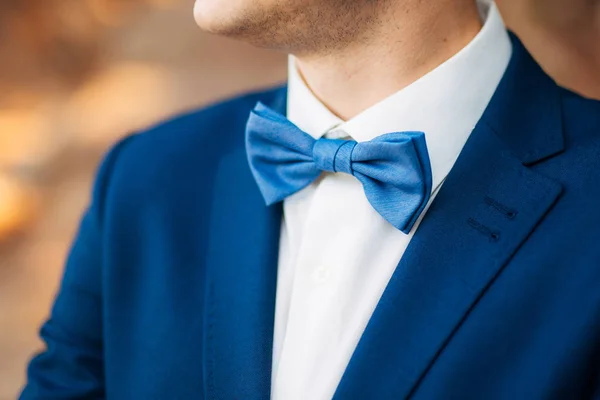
321	274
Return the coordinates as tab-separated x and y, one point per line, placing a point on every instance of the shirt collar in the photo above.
446	103
304	109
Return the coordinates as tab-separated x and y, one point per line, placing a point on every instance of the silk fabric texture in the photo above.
394	168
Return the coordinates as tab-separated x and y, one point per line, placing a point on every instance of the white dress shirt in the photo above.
337	253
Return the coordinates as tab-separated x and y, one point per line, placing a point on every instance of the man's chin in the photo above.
211	18
231	19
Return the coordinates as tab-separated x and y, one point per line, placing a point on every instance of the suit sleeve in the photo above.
71	366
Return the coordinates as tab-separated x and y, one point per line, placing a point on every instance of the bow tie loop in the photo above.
394	168
334	155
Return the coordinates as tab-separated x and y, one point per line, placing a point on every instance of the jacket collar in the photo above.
526	110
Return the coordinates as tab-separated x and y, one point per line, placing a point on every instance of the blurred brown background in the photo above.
75	75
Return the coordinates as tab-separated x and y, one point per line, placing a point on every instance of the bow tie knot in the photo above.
394	168
334	155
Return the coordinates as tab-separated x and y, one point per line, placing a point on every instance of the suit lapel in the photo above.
241	280
490	203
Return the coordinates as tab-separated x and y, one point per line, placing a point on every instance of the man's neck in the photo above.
571	29
407	43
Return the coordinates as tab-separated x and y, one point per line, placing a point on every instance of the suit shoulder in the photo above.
220	122
197	133
191	143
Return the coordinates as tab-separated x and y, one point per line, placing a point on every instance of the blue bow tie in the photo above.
394	168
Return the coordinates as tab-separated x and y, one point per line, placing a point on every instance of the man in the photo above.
414	216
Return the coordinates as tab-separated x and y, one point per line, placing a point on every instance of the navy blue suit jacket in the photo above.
169	291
